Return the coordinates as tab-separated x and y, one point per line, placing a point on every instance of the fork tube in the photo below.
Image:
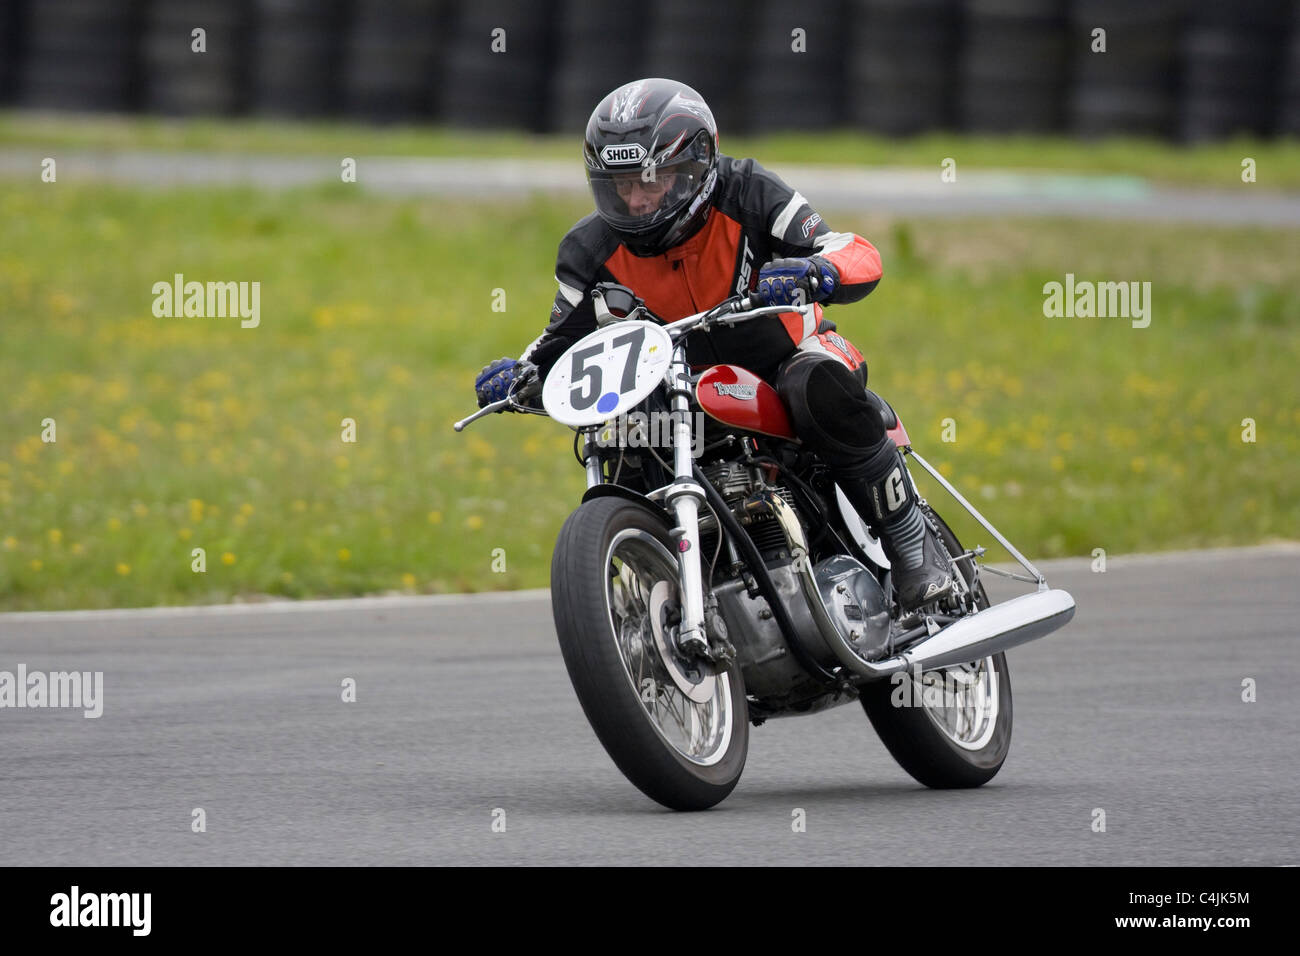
592	459
683	498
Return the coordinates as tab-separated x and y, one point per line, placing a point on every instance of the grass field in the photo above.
1209	164
182	433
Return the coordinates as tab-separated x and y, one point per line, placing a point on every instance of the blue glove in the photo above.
493	383
791	281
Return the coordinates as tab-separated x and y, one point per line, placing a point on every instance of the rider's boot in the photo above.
880	489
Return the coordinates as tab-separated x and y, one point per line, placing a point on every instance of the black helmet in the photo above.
651	151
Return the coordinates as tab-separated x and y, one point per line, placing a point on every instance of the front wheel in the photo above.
675	730
951	728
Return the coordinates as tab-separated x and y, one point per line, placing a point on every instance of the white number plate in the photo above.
606	373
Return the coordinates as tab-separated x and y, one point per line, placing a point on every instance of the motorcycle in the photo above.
717	577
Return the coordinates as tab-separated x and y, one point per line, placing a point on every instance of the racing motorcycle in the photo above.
717	577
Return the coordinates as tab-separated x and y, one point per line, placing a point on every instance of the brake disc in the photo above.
700	688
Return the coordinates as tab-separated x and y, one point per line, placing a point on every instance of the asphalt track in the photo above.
873	189
464	707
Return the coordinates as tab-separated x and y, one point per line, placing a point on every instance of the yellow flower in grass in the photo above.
123	568
408	581
139	510
55	535
474	522
114	524
345	554
435	517
184	534
77	547
227	559
196	510
10	543
35	564
113	391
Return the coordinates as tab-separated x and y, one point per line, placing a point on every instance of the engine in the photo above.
737	481
836	601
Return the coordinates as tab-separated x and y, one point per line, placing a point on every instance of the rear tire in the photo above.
683	754
946	747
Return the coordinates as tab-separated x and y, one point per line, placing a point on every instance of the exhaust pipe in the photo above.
977	636
985	633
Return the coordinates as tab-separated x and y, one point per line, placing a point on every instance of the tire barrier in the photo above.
1130	86
298	55
181	79
1182	69
500	64
1288	110
1231	68
81	55
1013	66
11	33
794	66
704	46
597	54
902	64
392	60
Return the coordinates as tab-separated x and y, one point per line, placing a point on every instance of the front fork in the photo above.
682	499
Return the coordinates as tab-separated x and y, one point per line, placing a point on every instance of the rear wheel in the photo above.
952	727
676	729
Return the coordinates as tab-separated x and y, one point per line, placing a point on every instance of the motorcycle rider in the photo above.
685	227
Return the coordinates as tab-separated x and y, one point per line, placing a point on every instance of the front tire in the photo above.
947	741
613	579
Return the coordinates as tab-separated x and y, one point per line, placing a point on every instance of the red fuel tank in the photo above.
740	398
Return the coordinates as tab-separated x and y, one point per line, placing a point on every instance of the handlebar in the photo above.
729	312
525	386
739	308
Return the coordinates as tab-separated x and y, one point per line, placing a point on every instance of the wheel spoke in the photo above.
968	712
699	731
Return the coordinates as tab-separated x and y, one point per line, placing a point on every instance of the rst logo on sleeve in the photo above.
626	154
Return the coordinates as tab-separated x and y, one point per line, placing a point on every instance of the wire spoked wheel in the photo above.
677	728
688	705
962	702
950	727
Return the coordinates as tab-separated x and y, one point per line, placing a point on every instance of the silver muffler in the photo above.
990	631
976	636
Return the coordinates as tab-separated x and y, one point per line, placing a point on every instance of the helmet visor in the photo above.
640	199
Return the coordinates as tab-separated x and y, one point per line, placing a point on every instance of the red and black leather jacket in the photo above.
755	217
